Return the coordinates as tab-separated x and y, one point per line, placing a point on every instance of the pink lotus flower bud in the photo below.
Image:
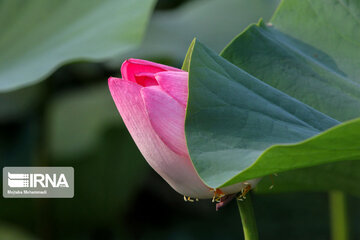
151	99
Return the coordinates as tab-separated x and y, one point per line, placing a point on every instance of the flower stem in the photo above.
248	218
338	216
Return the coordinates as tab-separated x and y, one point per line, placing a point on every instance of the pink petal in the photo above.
176	169
175	84
167	117
132	67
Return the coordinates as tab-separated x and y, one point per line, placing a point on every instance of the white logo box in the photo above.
38	182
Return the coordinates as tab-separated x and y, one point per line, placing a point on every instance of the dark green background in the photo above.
117	195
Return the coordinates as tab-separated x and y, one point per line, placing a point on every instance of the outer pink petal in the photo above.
177	170
167	117
175	84
132	67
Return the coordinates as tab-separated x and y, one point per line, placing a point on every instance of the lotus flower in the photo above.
152	99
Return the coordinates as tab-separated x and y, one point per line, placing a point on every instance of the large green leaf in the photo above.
38	36
238	127
311	51
338	175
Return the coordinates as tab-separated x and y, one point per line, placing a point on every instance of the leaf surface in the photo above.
39	36
311	51
240	128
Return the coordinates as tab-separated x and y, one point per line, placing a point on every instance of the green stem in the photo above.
248	218
338	216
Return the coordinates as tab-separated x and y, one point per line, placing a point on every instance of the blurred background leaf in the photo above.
77	118
16	104
214	22
38	36
10	232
